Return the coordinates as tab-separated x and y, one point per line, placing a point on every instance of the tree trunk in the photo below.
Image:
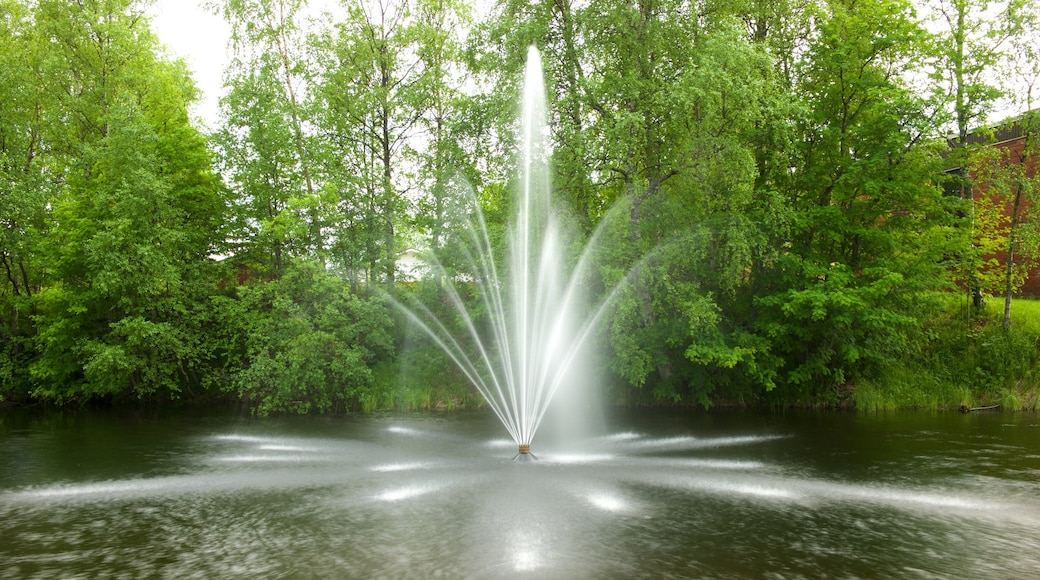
1012	236
297	128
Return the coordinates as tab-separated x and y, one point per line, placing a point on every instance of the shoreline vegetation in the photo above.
799	206
970	363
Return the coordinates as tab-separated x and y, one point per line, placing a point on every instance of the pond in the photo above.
635	494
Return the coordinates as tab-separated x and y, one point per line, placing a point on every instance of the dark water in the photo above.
651	495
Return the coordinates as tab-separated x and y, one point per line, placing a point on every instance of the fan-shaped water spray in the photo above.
533	320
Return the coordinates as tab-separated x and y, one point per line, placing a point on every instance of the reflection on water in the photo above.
658	494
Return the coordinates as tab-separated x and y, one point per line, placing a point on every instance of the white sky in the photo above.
201	38
191	32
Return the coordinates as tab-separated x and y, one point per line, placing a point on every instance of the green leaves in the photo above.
310	344
760	178
122	212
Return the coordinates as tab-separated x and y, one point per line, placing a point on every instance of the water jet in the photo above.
533	320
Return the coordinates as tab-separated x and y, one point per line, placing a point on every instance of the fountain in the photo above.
536	319
656	494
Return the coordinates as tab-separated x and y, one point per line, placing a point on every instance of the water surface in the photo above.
648	495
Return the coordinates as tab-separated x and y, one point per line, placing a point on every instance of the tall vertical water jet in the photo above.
534	243
533	320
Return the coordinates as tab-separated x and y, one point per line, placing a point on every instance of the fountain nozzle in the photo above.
523	454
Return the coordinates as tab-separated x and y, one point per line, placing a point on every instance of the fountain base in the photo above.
524	455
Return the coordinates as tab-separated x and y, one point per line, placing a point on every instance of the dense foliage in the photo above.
771	184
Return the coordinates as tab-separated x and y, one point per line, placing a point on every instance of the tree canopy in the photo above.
768	185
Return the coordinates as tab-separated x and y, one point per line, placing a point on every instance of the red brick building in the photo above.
1000	173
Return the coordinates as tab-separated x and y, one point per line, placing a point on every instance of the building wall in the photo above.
1012	142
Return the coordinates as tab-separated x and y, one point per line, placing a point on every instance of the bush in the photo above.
309	343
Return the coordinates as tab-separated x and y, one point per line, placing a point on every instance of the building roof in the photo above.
1005	131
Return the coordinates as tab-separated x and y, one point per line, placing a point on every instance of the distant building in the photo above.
1010	137
411	266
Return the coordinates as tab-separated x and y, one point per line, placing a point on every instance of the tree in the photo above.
26	187
497	55
136	218
655	125
870	231
680	117
371	95
440	90
265	151
1025	230
1006	220
972	45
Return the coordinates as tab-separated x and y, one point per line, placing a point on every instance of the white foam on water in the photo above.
725	464
294	448
625	436
526	560
263	458
763	491
689	442
394	467
408	492
607	502
526	552
665	442
246	438
500	443
765	488
93	489
908	497
411	432
577	458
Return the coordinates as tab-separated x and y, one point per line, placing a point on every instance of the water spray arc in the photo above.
534	319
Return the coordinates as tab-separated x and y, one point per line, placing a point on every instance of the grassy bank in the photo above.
964	360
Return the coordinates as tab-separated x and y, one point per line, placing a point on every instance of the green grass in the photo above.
1025	314
964	359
